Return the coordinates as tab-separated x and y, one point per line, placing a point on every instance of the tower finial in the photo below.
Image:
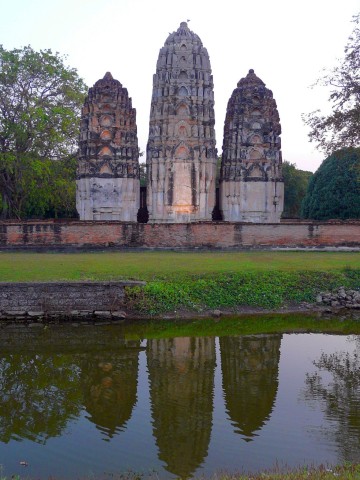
108	76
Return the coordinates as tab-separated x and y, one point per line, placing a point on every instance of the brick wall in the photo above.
54	234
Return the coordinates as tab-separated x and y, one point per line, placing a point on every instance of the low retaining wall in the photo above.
77	234
27	301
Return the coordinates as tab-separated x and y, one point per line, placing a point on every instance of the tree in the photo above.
40	101
341	128
295	185
334	189
51	188
142	168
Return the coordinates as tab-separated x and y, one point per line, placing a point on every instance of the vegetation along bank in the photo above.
198	283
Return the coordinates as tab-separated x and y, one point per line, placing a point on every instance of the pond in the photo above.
90	401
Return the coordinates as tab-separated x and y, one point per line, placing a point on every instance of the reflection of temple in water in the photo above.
250	380
110	388
181	372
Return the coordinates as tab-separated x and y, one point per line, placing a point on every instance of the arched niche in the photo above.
105	135
105	151
182	110
106	108
182	129
183	92
256	126
256	139
256	112
255	154
183	75
106	121
255	171
105	169
181	152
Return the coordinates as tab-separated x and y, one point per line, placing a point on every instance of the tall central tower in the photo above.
181	153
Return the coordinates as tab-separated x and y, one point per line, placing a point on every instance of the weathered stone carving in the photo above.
108	185
181	153
251	184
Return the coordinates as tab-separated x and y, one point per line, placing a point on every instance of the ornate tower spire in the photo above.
181	153
108	185
251	184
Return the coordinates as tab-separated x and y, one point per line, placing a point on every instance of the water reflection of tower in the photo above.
181	372
250	368
110	388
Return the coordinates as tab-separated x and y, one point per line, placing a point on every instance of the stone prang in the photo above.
251	184
181	153
108	185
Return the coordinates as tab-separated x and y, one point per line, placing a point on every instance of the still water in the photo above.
180	406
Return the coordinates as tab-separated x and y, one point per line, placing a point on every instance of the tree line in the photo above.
40	105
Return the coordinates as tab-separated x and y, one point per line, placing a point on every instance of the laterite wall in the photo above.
74	233
22	300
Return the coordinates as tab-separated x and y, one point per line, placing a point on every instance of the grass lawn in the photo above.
19	266
196	281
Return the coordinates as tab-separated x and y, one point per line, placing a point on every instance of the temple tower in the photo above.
181	153
108	185
251	183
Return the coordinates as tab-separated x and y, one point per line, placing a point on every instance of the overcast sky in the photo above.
286	42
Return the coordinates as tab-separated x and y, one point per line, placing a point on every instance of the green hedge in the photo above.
266	289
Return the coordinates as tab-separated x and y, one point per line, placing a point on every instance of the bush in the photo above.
334	189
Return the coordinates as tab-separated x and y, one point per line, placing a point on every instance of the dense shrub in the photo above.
230	290
334	189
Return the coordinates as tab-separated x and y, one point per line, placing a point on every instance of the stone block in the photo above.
118	314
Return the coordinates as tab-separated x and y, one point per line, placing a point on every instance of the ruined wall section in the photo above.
181	153
251	183
108	185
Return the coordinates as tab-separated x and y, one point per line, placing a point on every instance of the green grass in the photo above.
196	281
342	472
18	266
267	290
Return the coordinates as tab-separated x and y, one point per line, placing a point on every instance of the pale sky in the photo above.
286	42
